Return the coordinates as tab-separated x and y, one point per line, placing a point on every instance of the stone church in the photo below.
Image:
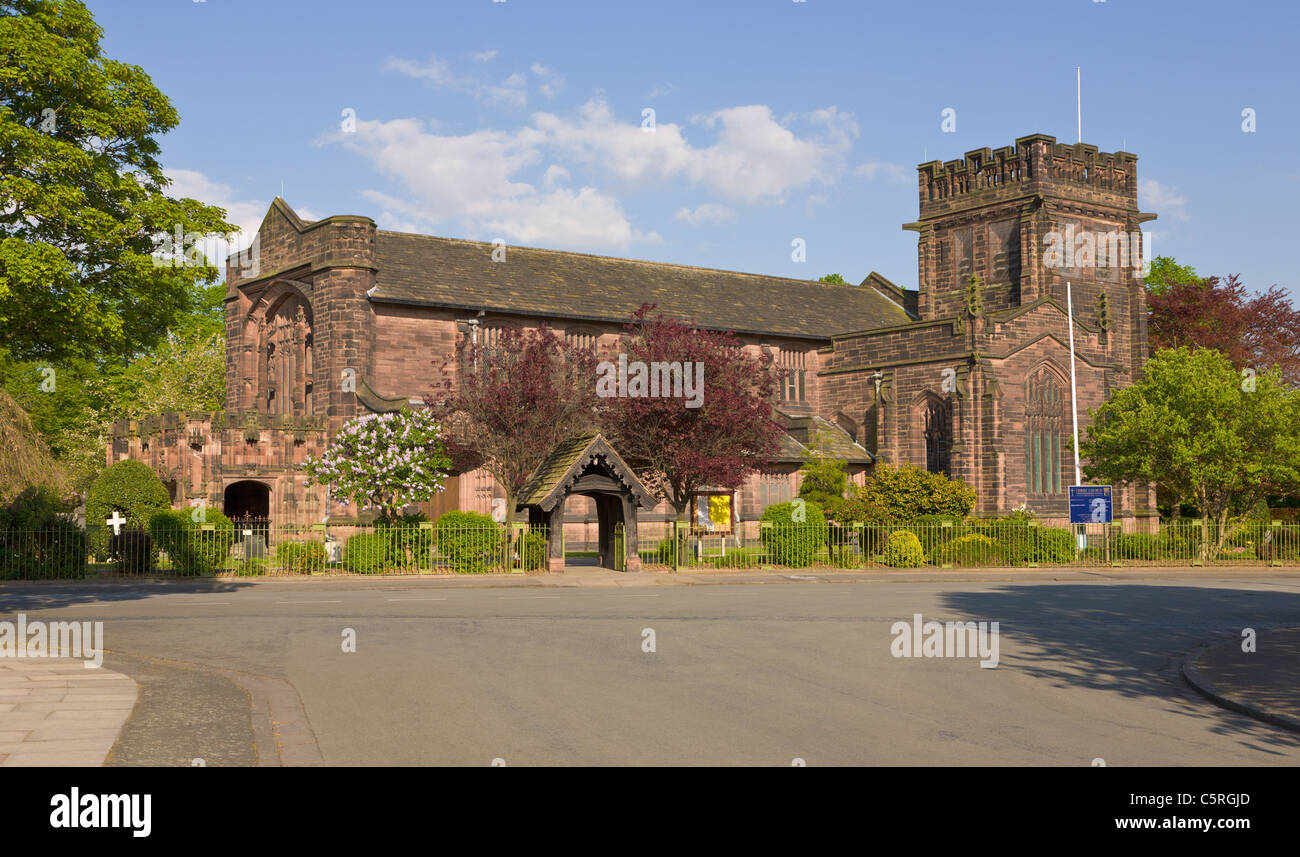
969	374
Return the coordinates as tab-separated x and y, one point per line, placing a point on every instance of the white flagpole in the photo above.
1074	398
1078	98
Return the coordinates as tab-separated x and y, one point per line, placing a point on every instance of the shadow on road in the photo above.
1131	639
16	597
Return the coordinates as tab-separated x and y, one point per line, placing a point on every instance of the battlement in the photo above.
1037	159
216	422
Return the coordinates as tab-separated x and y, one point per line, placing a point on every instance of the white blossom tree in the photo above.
384	461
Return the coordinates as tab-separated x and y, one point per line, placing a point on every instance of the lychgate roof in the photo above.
551	481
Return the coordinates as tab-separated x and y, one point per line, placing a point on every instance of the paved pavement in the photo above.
1261	679
55	712
242	672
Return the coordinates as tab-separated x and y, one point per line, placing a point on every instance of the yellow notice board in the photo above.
713	512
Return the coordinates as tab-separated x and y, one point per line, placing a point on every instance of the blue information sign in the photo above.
1090	504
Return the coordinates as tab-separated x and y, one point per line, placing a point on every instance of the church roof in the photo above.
432	271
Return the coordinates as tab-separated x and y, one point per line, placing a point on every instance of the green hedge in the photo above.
128	487
970	550
300	557
469	542
530	548
791	543
903	550
192	549
38	539
366	553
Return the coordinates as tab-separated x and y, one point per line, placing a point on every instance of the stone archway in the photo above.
247	499
588	466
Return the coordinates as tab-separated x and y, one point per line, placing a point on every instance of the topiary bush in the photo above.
365	553
792	543
130	488
470	542
300	557
903	550
192	549
970	550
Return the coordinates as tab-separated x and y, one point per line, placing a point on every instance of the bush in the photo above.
931	532
972	549
904	493
1139	546
128	487
903	550
365	553
530	550
470	542
38	539
300	557
792	543
408	544
734	558
192	549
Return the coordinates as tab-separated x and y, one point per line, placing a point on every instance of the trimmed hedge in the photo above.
794	544
470	542
191	549
972	549
530	548
128	487
300	557
366	553
38	539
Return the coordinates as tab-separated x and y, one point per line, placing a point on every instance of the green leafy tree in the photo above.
1197	428
82	194
1166	273
833	278
824	477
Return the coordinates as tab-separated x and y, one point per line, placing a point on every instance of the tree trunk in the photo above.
681	526
510	526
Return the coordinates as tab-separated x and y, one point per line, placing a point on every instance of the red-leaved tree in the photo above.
1257	332
506	405
677	449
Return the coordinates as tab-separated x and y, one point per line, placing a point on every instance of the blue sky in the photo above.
774	119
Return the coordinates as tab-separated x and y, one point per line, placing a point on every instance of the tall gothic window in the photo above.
792	388
938	436
1044	406
287	351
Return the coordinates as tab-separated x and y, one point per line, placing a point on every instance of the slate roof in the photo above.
799	432
547	484
428	270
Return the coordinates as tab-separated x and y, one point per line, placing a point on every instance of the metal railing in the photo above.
65	551
968	543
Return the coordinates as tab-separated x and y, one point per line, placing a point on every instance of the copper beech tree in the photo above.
675	446
506	404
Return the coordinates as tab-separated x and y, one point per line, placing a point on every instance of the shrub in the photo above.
130	488
903	493
972	549
931	532
470	542
300	557
365	553
38	539
734	558
1054	545
192	549
1140	546
789	542
903	550
408	544
664	554
530	549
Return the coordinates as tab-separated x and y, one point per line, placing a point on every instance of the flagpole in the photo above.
1074	397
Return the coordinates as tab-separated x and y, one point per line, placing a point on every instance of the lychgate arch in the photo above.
589	466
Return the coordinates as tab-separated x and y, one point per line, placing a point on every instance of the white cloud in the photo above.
1162	200
755	158
551	83
511	92
660	89
483	56
892	173
709	212
474	179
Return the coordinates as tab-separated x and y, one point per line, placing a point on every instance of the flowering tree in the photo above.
384	461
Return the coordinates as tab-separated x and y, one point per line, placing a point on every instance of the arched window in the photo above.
287	354
938	436
1044	407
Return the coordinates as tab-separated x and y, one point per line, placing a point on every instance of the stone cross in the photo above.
116	523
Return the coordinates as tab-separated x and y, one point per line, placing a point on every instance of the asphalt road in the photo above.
740	675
